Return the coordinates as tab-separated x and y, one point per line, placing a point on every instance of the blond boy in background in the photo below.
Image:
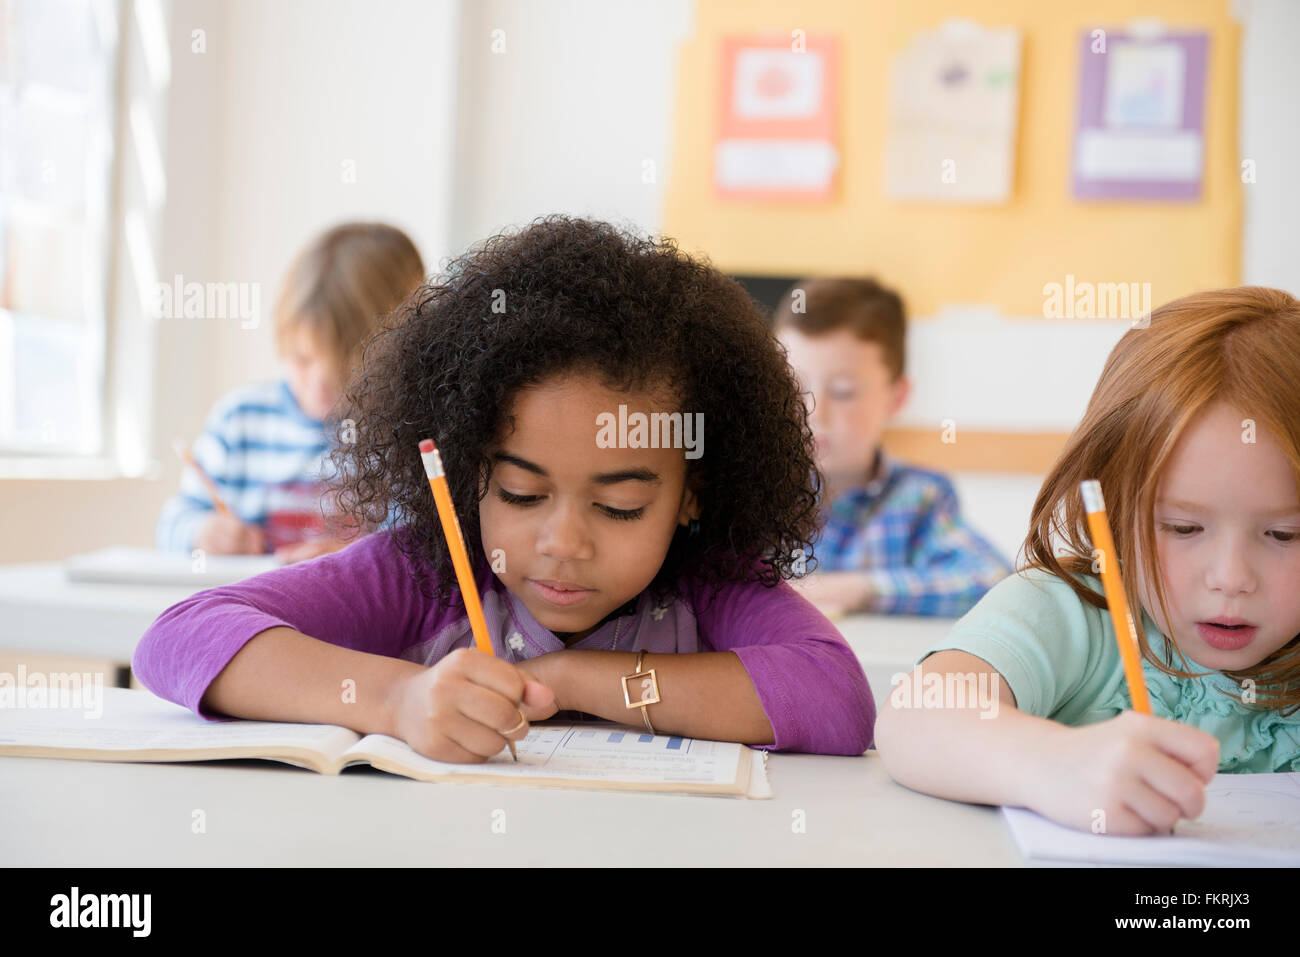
266	446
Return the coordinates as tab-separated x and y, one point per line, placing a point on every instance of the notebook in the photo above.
144	566
134	725
1249	819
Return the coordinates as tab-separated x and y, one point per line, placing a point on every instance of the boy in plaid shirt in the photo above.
894	540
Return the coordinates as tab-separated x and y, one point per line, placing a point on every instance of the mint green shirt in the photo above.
1059	657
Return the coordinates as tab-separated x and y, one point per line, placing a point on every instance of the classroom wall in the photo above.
943	253
1270	79
567	116
258	129
230	215
332	110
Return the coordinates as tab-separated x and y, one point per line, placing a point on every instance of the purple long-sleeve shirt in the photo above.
809	682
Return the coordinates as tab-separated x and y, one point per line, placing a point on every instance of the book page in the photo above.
580	755
131	721
1248	819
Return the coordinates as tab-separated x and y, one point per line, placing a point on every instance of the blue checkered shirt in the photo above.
903	530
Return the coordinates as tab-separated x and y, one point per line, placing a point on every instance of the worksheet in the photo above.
608	753
1249	819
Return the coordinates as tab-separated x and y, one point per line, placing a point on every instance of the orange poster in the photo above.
776	129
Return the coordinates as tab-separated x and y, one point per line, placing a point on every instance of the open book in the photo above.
137	726
121	564
1249	819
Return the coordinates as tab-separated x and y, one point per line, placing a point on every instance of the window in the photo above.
58	116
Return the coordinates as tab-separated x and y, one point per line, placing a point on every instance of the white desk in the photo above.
887	645
41	611
83	813
91	814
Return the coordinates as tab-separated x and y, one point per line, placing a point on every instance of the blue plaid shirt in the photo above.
903	530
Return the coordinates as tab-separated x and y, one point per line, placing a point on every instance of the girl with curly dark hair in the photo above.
632	468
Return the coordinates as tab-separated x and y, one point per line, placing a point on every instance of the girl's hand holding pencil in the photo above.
1133	774
1136	773
457	710
469	720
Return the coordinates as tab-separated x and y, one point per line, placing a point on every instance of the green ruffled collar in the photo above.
1250	739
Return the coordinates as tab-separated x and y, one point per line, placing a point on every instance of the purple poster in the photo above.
1141	123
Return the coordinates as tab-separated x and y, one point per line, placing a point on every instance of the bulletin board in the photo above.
938	255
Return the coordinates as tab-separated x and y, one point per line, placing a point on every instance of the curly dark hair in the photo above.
581	296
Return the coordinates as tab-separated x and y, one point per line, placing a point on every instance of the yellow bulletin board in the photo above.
940	254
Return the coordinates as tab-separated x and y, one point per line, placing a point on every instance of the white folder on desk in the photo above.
143	566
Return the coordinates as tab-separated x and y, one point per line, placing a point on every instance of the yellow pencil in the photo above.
1116	599
459	556
189	460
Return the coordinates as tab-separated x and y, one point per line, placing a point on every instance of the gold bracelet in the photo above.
649	685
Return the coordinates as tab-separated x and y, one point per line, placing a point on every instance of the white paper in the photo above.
778	84
1115	155
803	165
1249	819
1144	85
605	753
144	566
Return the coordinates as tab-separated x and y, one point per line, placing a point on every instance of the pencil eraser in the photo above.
426	446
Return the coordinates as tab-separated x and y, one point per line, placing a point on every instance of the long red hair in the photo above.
1240	346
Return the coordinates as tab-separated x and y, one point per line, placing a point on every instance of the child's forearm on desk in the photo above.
704	695
958	754
283	675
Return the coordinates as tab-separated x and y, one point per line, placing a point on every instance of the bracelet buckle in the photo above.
648	683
